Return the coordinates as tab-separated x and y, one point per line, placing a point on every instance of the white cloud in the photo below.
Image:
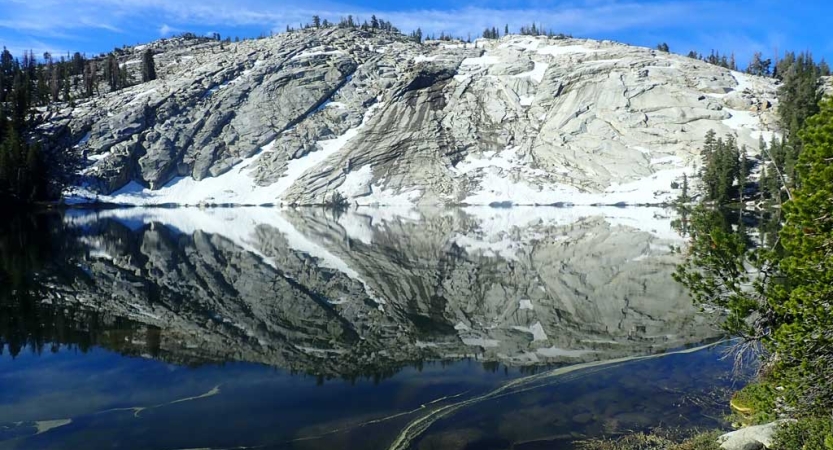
166	30
686	21
586	15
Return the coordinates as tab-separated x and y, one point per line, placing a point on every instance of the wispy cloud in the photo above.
166	30
700	24
578	16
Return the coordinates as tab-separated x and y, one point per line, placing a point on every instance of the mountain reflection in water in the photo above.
453	328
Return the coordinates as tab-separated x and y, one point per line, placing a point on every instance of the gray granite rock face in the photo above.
432	123
752	437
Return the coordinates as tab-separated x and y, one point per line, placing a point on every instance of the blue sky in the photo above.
742	26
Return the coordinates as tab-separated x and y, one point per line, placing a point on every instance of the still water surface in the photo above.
476	328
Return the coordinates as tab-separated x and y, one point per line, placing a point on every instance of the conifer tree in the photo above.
801	307
65	84
684	197
42	89
111	72
824	69
148	66
90	76
78	63
799	95
54	85
759	66
743	172
721	168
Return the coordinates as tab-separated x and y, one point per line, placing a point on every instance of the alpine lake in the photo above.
373	328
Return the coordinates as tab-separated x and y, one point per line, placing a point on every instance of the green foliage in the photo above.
803	305
798	100
28	172
684	197
491	33
337	202
805	434
755	403
716	270
781	294
722	169
798	96
416	35
21	169
759	66
716	58
771	179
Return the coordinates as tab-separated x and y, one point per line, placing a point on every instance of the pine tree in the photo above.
111	72
89	78
78	63
54	85
42	89
316	21
24	85
721	167
506	30
65	79
684	198
824	69
765	180
19	99
759	66
799	94
801	307
148	66
6	74
743	172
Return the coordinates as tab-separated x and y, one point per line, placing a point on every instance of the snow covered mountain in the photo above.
306	117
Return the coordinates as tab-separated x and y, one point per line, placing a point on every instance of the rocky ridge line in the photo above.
378	119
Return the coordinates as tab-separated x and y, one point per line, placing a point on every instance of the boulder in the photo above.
750	438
